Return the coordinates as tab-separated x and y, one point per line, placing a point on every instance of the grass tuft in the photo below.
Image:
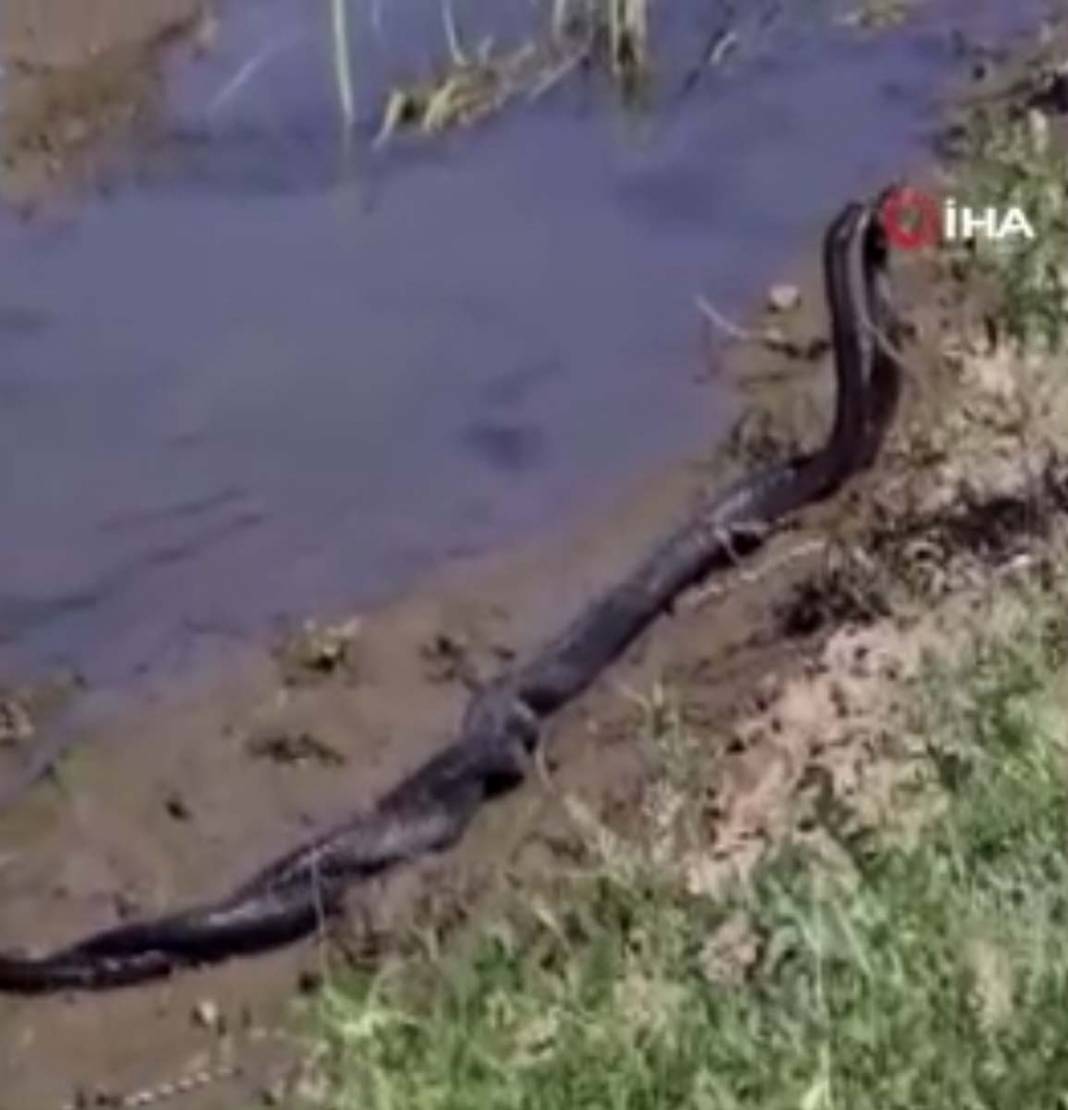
904	973
1015	163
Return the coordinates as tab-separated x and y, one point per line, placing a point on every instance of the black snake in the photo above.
430	809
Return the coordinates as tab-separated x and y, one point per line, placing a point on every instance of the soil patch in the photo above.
78	79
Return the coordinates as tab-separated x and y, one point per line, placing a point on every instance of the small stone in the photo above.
320	650
1038	130
16	727
784	298
206	1014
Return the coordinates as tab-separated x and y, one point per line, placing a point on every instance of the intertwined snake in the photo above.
429	810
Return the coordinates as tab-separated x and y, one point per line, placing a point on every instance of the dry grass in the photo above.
478	80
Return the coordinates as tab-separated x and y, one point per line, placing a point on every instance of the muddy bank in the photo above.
55	34
78	83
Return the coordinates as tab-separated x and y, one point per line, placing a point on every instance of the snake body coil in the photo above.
430	809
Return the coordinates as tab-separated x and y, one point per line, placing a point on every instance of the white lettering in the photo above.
1015	223
949	219
971	222
960	222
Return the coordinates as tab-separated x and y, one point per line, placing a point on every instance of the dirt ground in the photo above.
175	792
78	78
42	34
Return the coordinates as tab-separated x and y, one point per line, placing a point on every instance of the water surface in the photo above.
268	371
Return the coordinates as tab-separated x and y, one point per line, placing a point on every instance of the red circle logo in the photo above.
911	218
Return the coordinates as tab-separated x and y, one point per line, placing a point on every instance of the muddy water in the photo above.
267	371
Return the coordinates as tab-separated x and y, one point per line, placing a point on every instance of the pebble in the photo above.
16	727
784	298
206	1014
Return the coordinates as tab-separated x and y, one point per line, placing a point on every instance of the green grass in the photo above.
905	971
1014	163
